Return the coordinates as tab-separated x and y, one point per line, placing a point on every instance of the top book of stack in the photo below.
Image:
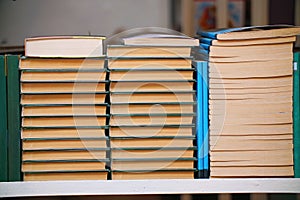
64	46
252	32
153	45
161	40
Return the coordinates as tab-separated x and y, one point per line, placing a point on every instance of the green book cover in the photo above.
3	122
13	115
296	118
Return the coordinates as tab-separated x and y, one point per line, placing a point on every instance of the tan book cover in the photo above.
153	175
125	131
63	121
64	155
63	133
151	75
151	97
151	108
76	87
59	166
158	63
63	99
61	63
151	86
63	76
63	144
152	165
57	176
69	110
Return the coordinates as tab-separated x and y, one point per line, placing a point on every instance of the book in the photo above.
252	171
62	76
63	121
3	121
152	164
33	99
227	71
170	108
153	119
76	165
296	112
64	133
60	143
166	174
44	87
162	142
13	117
151	86
246	53
252	32
160	39
155	97
64	46
214	42
199	119
63	110
150	63
76	63
205	113
116	51
63	154
261	158
151	75
65	175
152	153
148	131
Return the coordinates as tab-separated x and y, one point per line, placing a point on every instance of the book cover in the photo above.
3	121
200	128
296	117
251	32
205	119
13	115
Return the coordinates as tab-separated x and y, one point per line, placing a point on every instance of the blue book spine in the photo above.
214	34
205	46
199	127
207	41
205	119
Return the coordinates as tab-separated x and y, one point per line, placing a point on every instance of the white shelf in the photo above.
134	187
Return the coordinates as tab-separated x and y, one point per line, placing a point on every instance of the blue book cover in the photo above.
205	46
207	41
205	118
199	126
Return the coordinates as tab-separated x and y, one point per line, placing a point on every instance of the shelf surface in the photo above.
136	187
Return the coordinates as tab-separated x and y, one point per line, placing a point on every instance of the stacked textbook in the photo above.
63	92
250	101
152	108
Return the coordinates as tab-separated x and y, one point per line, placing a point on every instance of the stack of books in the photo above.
152	108
250	101
64	113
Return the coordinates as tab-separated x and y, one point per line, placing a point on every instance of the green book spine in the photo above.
3	122
296	112
13	114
